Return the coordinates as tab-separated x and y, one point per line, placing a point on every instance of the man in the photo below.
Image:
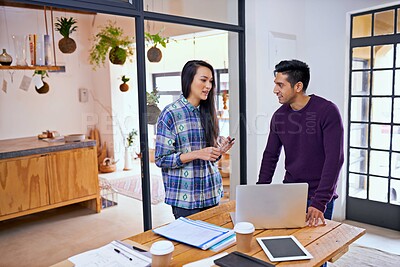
310	130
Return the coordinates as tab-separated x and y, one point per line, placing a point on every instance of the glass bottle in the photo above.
5	59
20	49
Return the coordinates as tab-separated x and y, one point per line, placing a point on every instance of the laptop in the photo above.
272	205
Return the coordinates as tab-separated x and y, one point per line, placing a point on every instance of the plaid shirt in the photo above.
191	185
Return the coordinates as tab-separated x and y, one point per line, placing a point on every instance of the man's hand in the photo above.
313	216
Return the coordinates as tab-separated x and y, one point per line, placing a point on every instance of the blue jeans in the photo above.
327	215
181	212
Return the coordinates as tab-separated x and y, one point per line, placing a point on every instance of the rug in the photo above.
132	187
359	256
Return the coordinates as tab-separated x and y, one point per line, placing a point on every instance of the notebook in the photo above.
272	205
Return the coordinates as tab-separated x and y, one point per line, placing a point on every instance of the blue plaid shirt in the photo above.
192	185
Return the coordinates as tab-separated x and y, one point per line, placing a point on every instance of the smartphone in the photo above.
233	139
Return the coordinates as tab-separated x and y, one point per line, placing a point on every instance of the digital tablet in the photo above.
283	248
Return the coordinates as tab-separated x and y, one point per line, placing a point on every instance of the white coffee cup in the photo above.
244	234
161	253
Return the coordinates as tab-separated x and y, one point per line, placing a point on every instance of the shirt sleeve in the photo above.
332	128
166	155
270	156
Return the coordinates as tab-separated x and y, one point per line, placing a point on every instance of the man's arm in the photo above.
270	156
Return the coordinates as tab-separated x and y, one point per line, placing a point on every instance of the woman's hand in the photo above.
208	153
225	143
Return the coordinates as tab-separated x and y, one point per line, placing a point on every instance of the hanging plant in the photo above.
110	39
124	86
154	54
66	26
152	109
45	87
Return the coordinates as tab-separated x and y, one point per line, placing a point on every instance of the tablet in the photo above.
283	248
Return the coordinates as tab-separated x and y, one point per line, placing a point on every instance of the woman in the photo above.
186	144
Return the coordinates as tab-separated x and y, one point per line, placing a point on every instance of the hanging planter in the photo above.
110	39
124	86
65	26
152	109
154	54
45	87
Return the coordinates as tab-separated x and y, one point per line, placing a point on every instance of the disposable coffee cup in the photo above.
161	252
244	234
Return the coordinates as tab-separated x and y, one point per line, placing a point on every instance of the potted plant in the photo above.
130	140
66	27
154	53
152	109
45	86
110	39
124	86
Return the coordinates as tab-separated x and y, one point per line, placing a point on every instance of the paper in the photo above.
196	233
227	242
107	256
4	87
25	83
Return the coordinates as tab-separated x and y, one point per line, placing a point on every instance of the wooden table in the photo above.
325	243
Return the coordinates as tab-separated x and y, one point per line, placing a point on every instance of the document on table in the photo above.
194	232
112	254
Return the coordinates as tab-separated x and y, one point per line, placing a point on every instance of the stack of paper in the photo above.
194	232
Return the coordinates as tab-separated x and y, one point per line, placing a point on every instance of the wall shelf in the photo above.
50	68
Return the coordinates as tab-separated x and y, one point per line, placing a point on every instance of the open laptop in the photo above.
271	205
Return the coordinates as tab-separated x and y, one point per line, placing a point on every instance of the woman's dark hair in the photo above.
208	113
296	71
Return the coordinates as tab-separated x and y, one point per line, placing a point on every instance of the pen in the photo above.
119	252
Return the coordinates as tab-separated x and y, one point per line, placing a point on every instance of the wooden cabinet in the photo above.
23	184
39	182
72	174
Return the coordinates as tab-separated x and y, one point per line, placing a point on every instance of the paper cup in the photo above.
161	253
244	234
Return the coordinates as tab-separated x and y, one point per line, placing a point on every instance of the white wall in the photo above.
320	29
26	113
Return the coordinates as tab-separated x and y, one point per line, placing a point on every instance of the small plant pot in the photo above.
67	45
124	87
152	114
44	89
154	54
117	55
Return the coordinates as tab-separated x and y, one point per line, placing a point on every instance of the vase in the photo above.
20	49
128	159
5	59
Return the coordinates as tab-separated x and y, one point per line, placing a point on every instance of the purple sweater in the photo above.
313	142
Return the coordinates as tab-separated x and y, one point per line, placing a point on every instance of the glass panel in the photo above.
397	82
398	20
396	110
396	138
382	82
360	83
358	160
381	109
384	23
395	192
219	48
359	135
379	163
361	58
378	189
225	11
359	109
383	56
395	168
362	26
358	186
380	136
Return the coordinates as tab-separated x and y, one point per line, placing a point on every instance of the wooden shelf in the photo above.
53	68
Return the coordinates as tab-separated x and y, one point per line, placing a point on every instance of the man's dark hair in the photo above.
296	71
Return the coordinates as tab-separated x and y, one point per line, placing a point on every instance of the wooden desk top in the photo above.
325	243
